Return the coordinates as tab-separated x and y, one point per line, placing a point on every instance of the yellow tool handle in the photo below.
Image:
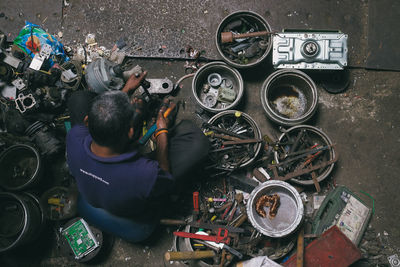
169	109
188	255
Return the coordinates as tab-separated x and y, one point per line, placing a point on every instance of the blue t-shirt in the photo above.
126	185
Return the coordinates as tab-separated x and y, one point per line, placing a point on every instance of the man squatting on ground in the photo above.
121	191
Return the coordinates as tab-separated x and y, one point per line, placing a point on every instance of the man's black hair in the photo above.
110	118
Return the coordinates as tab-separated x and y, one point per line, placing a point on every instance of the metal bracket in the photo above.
19	84
159	86
310	50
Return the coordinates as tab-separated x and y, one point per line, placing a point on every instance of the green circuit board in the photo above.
80	238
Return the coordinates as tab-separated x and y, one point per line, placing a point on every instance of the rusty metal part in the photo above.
316	183
226	132
259	176
228	37
241	142
302	171
306	153
269	201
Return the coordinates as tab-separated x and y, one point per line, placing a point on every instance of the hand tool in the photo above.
228	37
153	128
219	238
293	148
242	142
300	248
302	171
316	183
218	247
230	229
233	251
308	152
188	255
196	209
218	129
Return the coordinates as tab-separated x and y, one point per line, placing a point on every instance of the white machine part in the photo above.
310	50
39	58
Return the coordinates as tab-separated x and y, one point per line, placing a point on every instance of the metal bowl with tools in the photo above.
217	87
289	97
289	212
235	138
313	147
243	39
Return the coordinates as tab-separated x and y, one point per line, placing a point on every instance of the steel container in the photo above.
316	136
289	214
203	97
20	167
289	97
256	134
247	16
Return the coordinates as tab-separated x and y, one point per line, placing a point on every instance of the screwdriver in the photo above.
153	128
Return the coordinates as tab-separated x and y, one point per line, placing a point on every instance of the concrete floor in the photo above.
363	122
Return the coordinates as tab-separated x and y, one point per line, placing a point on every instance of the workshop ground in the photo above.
363	122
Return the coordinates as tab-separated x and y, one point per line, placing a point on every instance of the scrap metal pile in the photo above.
252	206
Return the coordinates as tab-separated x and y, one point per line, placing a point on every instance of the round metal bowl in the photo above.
289	215
20	167
227	119
316	136
253	22
214	96
289	97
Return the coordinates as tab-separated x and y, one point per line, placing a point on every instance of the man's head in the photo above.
110	120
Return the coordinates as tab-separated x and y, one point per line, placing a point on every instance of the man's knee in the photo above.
190	136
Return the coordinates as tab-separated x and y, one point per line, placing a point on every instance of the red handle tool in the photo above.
196	202
221	237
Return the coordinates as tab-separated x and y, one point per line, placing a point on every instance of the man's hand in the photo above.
161	139
134	82
162	122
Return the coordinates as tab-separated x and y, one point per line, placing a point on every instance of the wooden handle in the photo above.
228	37
241	220
300	248
172	222
188	255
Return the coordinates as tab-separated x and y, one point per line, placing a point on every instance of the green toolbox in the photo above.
80	238
342	208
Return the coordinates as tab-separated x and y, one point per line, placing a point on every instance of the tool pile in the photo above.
255	211
235	140
219	233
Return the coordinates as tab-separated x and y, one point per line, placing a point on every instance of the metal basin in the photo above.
228	159
316	136
250	21
289	97
217	87
290	211
20	167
